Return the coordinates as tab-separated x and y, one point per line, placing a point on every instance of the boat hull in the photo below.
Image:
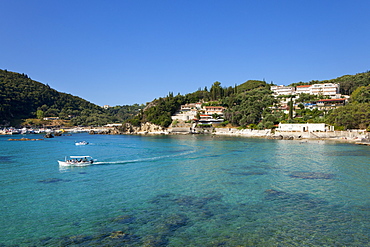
81	143
67	163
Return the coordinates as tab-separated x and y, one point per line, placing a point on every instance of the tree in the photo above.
291	109
351	116
361	95
216	91
215	116
40	114
248	107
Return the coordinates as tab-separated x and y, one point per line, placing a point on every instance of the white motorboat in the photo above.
81	143
81	160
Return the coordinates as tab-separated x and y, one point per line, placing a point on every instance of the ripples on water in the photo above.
184	191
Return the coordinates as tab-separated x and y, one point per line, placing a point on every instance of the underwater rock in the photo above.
206	214
118	234
162	197
25	139
73	240
175	221
6	159
294	201
167	225
53	180
190	201
311	175
124	219
198	202
154	241
248	173
212	196
274	194
116	238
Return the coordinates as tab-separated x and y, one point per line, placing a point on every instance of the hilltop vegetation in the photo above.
252	104
357	113
245	103
248	104
22	98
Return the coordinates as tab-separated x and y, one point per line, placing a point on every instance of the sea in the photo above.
184	190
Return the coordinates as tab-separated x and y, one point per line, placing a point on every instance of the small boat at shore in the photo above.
81	143
81	160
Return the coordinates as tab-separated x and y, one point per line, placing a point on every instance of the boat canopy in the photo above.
80	157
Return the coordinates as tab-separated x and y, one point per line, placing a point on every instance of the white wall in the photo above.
302	127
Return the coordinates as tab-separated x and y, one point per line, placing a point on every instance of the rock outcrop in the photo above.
143	129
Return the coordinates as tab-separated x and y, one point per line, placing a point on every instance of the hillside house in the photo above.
191	107
210	110
307	127
328	104
187	112
207	119
190	111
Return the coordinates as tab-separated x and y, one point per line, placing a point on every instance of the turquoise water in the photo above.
184	191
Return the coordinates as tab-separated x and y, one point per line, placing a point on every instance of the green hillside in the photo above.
247	104
22	98
251	104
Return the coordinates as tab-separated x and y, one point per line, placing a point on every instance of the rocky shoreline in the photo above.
352	136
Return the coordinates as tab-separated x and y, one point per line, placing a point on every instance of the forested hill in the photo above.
252	104
22	98
247	104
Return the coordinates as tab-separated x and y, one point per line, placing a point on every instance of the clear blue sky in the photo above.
120	52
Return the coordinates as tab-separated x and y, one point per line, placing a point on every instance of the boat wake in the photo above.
141	160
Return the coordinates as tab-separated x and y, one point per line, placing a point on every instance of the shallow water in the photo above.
184	191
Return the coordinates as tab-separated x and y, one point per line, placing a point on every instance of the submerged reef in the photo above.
53	180
279	218
312	175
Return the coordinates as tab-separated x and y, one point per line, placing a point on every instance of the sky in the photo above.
122	52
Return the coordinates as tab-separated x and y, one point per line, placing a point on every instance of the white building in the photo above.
191	107
303	89
187	112
113	125
307	127
210	110
282	90
325	89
